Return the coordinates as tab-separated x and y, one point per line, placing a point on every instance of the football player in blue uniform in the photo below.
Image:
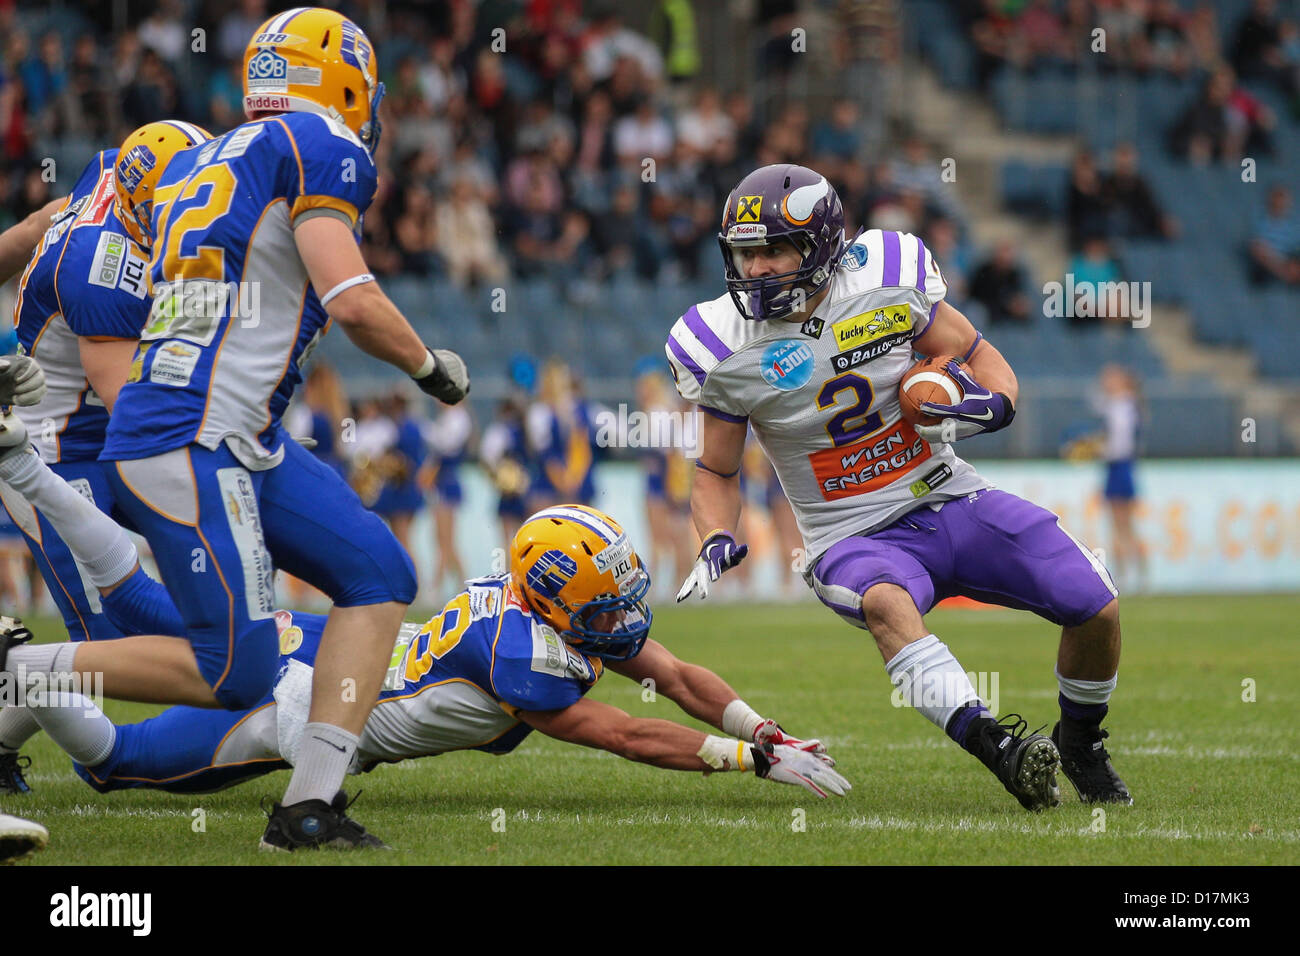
82	303
509	654
256	251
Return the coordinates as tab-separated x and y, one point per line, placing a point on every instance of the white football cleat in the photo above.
20	838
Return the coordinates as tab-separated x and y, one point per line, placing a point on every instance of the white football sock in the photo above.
926	676
41	659
95	540
17	726
324	756
78	726
1083	691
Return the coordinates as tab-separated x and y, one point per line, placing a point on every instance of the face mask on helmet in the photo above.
776	295
613	627
776	203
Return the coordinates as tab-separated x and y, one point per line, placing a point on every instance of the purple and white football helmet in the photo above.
781	202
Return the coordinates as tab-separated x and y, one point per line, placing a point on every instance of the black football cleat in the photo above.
312	824
1087	765
12	766
1025	763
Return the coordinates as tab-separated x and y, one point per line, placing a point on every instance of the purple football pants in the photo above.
990	546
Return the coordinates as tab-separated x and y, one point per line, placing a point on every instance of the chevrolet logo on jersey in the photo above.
861	338
748	208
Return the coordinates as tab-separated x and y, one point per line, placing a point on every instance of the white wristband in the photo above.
723	753
740	719
344	286
430	363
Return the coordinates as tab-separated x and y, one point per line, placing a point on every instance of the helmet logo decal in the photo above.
748	232
798	205
551	572
132	167
268	71
749	208
617	558
787	365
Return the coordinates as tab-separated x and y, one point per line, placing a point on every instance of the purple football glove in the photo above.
719	553
978	411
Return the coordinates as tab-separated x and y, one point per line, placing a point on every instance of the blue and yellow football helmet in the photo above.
140	163
576	569
314	60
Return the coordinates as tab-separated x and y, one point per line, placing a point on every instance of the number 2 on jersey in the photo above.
850	424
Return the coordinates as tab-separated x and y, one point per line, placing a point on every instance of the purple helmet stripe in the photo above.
708	338
685	358
893	255
920	264
725	416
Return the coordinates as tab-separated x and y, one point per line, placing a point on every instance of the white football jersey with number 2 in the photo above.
822	395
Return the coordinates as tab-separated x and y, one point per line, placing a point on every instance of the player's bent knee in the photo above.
887	606
1107	617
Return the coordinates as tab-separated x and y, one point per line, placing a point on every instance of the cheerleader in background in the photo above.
561	436
1120	406
504	454
448	439
400	496
663	467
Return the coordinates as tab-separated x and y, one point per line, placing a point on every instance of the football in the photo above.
928	381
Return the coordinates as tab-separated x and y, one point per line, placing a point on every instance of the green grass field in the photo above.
1214	778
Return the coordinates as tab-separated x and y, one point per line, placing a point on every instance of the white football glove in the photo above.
770	732
719	553
814	772
22	382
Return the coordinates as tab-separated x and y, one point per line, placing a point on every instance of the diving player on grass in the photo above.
510	654
807	347
255	252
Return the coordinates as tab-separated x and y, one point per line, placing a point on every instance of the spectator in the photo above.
1085	204
1275	242
643	135
1256	47
152	93
999	286
1201	132
1094	270
237	26
415	233
1133	211
467	236
607	40
704	123
1167	38
163	32
839	136
942	240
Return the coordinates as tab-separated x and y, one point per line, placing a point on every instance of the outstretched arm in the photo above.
705	696
671	746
